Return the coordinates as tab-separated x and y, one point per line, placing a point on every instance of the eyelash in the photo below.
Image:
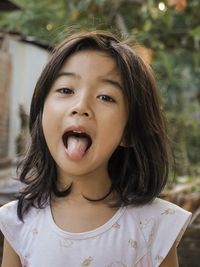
65	90
105	98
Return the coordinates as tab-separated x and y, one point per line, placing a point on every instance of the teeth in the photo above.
77	132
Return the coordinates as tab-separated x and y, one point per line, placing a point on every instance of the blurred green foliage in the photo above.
171	31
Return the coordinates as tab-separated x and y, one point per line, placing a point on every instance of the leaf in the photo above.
167	62
195	32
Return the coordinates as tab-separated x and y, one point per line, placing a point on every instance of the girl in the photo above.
96	164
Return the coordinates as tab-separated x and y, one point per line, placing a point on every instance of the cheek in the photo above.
121	125
45	120
46	129
113	130
119	120
50	124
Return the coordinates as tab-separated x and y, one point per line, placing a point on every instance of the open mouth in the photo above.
76	143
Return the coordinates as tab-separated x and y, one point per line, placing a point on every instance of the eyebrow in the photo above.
102	79
112	82
66	74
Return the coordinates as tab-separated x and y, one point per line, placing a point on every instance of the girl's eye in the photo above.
106	98
65	91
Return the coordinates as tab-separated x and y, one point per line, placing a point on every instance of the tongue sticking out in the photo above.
76	147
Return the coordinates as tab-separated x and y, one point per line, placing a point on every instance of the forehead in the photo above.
93	62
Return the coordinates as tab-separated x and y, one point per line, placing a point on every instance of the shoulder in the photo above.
159	211
160	208
10	225
9	205
157	217
14	230
8	212
162	224
9	221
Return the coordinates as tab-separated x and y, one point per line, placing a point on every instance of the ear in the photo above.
123	143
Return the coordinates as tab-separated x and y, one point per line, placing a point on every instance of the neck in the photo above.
86	186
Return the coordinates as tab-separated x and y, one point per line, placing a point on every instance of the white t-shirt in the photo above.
133	237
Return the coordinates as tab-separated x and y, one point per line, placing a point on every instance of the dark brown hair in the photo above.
139	170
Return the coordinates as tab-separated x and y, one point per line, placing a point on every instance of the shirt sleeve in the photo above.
170	223
10	225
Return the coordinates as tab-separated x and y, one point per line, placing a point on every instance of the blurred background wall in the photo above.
167	35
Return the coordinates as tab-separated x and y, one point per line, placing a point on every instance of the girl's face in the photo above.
85	114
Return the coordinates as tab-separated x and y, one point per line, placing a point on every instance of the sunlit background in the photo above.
167	35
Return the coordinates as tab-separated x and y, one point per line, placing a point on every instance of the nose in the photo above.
75	112
82	107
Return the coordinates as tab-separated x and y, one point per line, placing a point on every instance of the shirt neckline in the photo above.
88	234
